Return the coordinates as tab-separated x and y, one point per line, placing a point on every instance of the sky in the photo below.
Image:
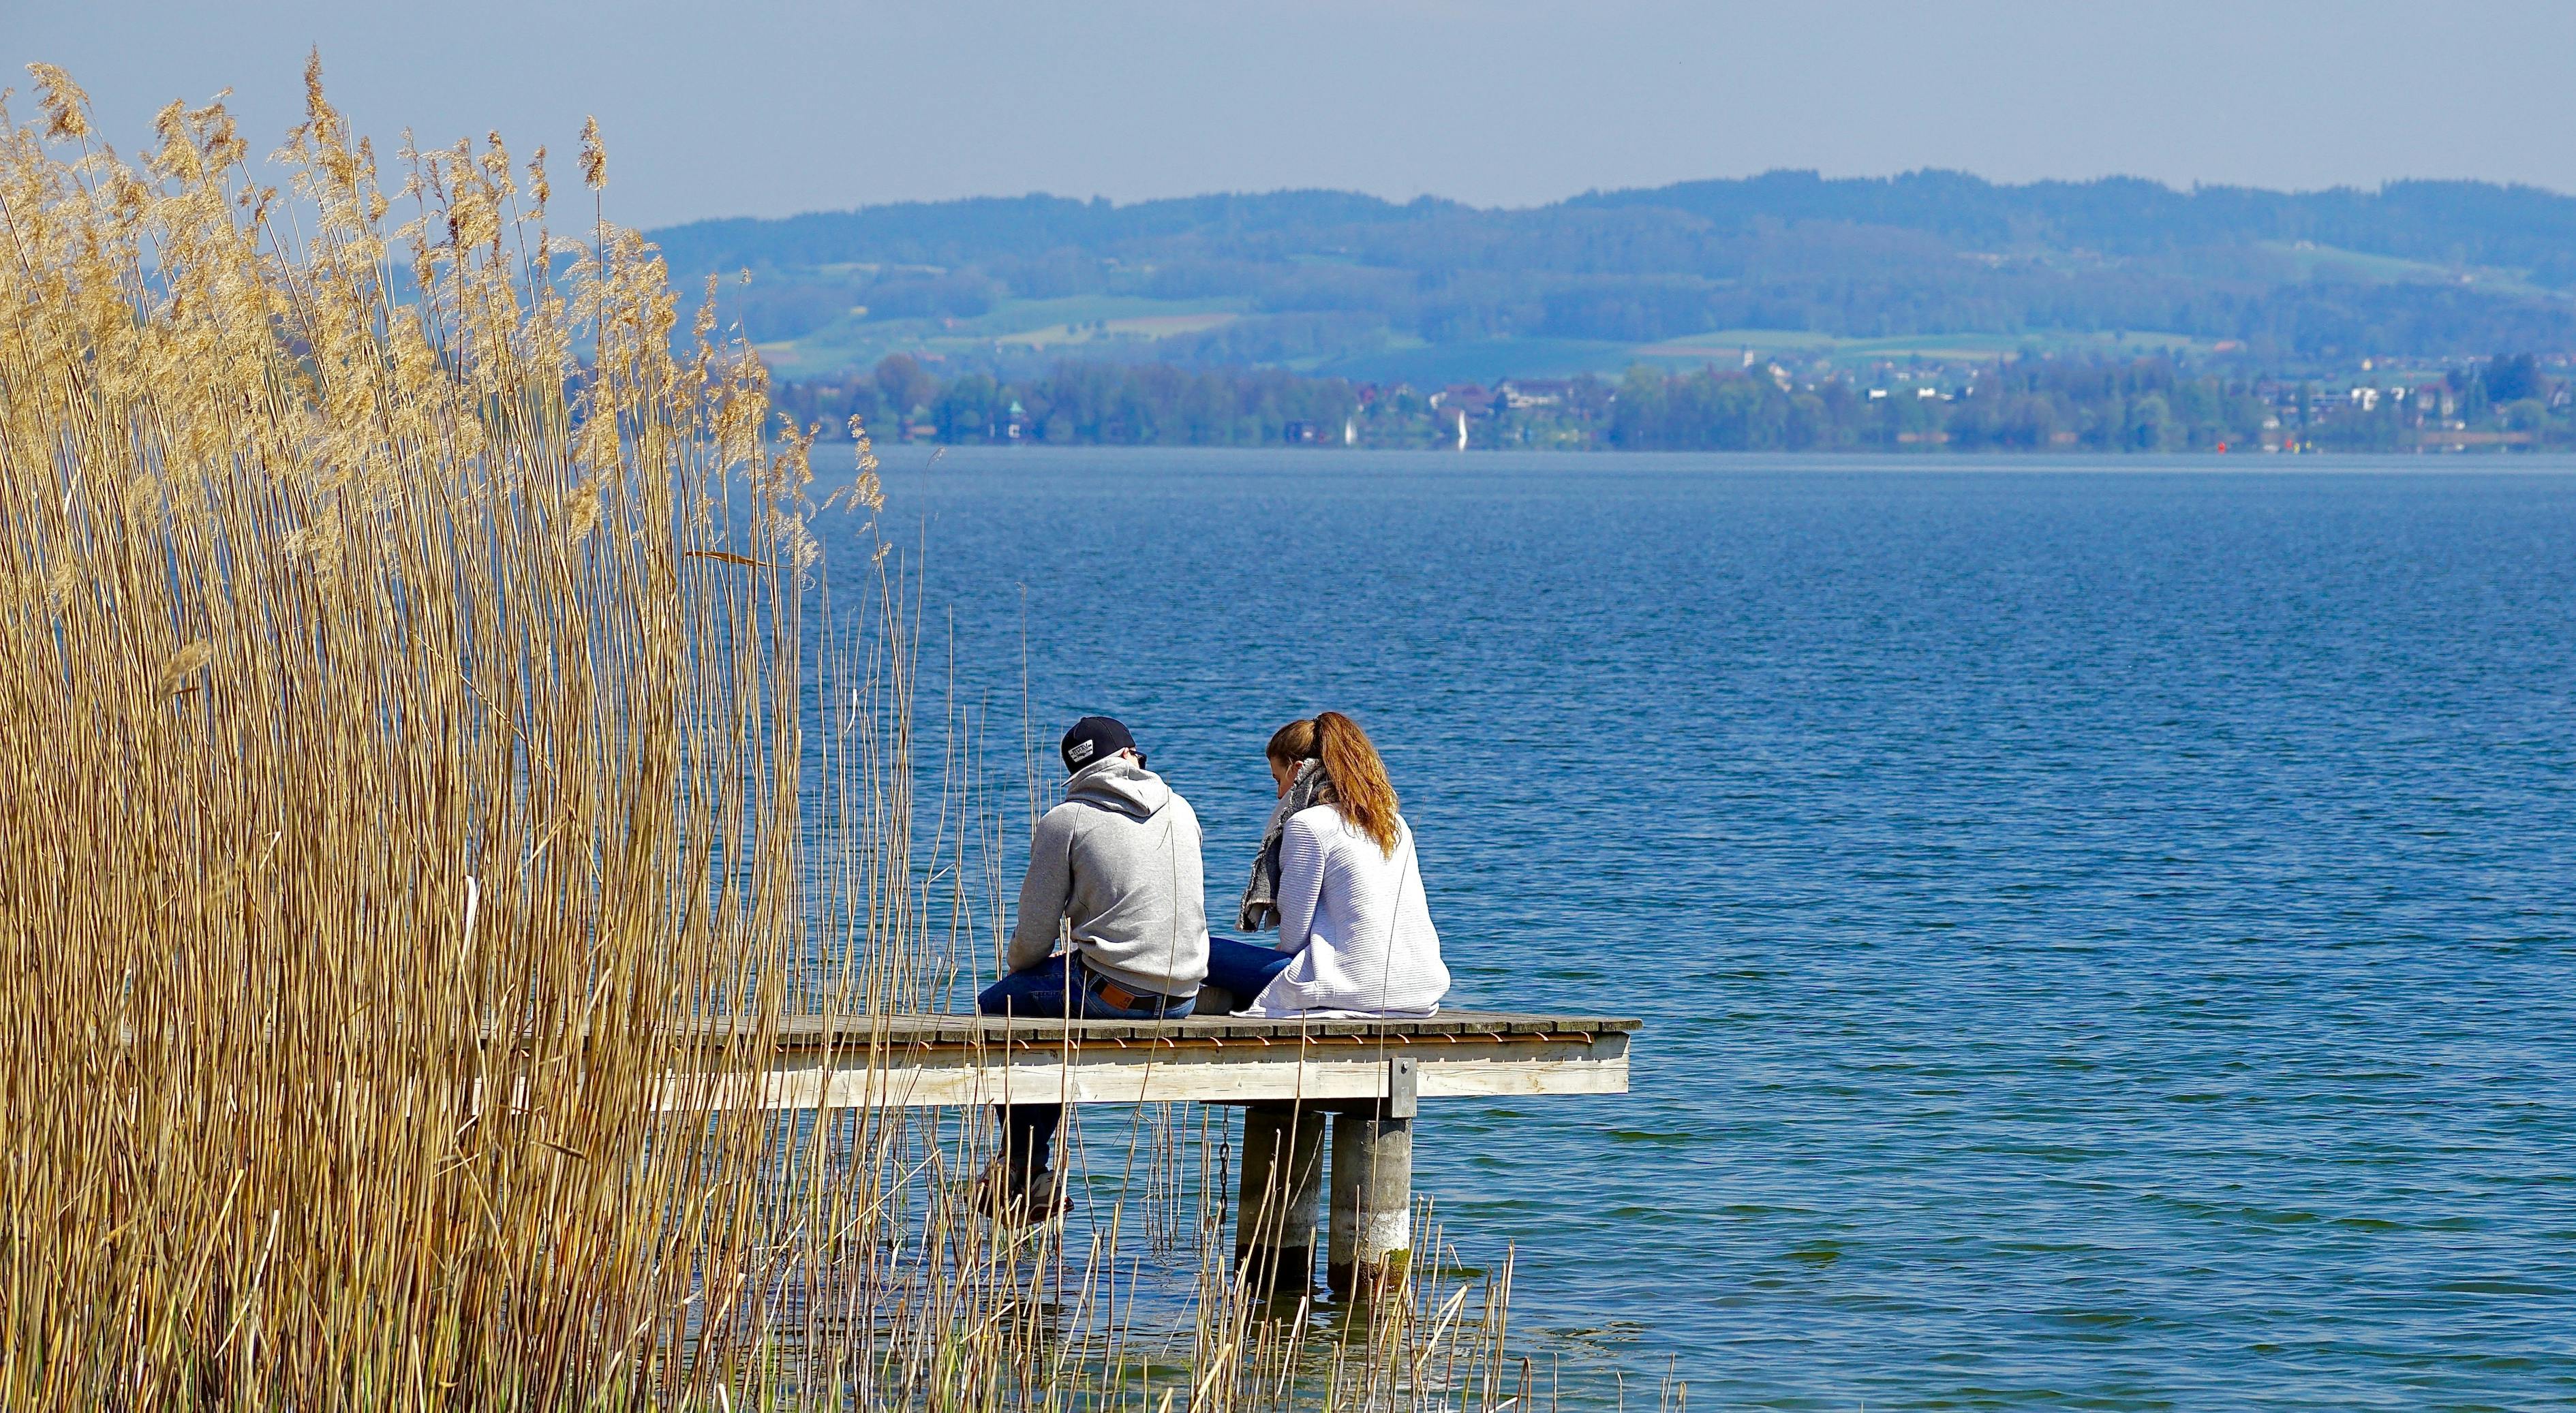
767	109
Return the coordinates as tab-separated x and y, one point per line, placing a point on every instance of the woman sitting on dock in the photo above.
1355	933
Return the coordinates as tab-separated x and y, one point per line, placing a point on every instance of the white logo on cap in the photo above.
1081	751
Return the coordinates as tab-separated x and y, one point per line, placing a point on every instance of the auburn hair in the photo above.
1293	742
1362	793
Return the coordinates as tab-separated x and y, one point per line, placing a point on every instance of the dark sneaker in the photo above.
994	1195
1045	1202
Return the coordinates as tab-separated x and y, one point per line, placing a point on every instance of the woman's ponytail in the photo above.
1363	794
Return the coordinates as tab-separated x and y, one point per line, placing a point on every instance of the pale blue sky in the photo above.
767	109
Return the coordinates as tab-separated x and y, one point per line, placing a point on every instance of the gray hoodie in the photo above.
1120	857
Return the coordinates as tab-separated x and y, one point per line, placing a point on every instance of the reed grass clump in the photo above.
434	771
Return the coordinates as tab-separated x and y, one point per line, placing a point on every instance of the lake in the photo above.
2104	928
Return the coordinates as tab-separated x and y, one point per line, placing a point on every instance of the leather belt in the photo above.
1126	999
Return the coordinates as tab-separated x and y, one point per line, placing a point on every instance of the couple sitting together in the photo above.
1116	867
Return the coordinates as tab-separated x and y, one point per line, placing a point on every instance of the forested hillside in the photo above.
1929	265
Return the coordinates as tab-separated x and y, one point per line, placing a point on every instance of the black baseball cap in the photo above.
1095	738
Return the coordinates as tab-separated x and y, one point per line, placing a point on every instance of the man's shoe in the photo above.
994	1195
1044	1202
989	1190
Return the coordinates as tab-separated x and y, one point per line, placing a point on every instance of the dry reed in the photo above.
433	772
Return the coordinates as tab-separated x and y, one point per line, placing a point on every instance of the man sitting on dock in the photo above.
1119	862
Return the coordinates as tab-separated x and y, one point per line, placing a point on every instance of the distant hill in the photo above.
1873	268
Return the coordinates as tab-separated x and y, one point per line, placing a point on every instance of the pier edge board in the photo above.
1178	1069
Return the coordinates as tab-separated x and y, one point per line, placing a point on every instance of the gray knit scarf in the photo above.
1309	787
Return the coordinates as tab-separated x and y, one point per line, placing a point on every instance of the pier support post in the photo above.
1372	1230
1281	1186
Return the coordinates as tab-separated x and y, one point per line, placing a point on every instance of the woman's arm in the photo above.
1301	883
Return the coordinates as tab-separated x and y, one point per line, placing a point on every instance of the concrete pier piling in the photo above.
1372	1232
1281	1186
1372	1227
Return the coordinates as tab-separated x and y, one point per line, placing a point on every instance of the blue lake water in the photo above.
2107	933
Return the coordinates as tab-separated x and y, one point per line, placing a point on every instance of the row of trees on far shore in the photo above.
2139	405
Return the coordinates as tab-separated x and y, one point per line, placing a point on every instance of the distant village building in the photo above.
1465	398
1520	394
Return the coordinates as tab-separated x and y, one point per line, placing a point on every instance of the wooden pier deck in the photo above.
918	1061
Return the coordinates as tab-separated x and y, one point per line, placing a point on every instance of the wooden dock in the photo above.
923	1061
1366	1078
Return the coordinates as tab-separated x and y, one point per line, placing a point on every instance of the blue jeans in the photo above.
1244	967
1059	988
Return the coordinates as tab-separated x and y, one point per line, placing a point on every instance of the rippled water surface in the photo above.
2105	934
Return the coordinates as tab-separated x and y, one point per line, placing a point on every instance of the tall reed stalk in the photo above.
433	773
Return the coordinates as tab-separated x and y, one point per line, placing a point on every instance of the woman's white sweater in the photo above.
1358	922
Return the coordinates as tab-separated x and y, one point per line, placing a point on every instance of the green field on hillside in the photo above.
1069	326
1485	360
1108	325
1729	346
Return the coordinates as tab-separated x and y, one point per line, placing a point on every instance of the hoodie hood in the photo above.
1120	784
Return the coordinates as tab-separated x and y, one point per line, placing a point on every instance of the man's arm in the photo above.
1044	890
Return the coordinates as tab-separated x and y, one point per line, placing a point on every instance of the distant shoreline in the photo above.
2024	406
911	461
